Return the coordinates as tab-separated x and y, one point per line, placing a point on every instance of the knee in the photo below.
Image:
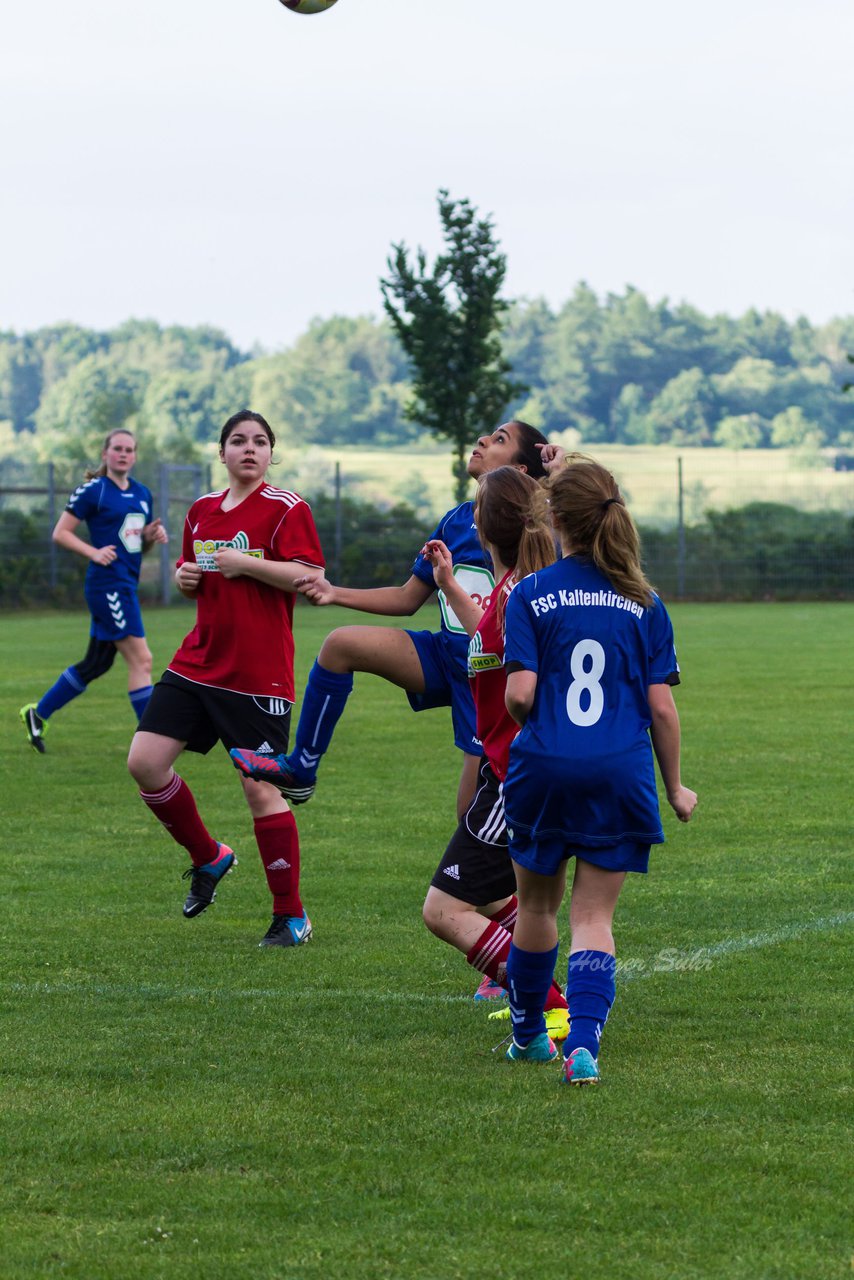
148	774
430	916
263	799
100	656
339	650
437	918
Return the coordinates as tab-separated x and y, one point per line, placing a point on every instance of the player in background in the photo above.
471	903
590	662
232	679
117	511
430	666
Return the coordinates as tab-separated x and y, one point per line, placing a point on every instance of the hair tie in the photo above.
608	502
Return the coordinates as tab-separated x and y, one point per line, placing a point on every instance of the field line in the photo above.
665	961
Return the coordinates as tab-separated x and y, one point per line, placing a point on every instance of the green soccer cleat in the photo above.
36	727
557	1021
541	1049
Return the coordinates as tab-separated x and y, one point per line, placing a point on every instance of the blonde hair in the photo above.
592	519
92	474
511	515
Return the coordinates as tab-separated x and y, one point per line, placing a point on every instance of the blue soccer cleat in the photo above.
204	881
580	1068
540	1049
287	931
272	769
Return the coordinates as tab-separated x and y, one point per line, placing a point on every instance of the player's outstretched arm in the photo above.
392	602
665	735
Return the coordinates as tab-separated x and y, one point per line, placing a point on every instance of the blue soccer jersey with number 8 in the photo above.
582	767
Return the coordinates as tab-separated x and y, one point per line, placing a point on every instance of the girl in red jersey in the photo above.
471	902
232	679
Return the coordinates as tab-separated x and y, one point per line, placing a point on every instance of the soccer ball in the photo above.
307	6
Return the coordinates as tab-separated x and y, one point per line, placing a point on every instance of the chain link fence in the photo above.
714	526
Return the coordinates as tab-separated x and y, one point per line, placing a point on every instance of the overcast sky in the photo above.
231	163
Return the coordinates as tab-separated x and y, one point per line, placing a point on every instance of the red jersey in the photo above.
496	728
243	638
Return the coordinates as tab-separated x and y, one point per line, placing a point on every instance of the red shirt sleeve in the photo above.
296	537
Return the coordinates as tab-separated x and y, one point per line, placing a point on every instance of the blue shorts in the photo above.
115	612
446	684
545	856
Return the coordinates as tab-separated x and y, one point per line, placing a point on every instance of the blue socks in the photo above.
324	701
139	699
68	686
590	991
529	979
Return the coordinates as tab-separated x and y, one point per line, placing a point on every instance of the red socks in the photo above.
278	845
175	807
489	955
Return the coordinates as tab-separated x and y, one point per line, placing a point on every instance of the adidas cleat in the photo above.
580	1068
490	990
287	931
36	727
540	1049
273	769
204	881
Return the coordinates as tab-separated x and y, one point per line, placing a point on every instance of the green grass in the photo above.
177	1103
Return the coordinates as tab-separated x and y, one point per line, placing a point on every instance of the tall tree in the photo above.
448	320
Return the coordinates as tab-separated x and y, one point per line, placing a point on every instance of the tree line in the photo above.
619	368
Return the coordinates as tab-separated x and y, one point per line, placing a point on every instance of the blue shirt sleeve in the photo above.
85	500
663	667
520	642
422	568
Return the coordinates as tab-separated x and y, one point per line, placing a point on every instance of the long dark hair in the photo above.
511	514
528	455
247	415
592	518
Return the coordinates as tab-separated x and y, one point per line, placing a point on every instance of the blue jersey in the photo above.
115	517
472	566
582	767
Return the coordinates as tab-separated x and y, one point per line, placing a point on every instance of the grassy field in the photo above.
177	1103
716	478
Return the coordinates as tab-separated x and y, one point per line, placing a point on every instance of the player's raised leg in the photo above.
380	651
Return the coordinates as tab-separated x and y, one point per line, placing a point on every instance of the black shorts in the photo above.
202	716
476	866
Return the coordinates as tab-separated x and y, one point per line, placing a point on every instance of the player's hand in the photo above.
230	562
154	532
683	803
440	558
188	577
104	555
553	457
315	588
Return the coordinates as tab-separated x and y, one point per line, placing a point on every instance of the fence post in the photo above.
51	506
163	508
680	553
337	551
